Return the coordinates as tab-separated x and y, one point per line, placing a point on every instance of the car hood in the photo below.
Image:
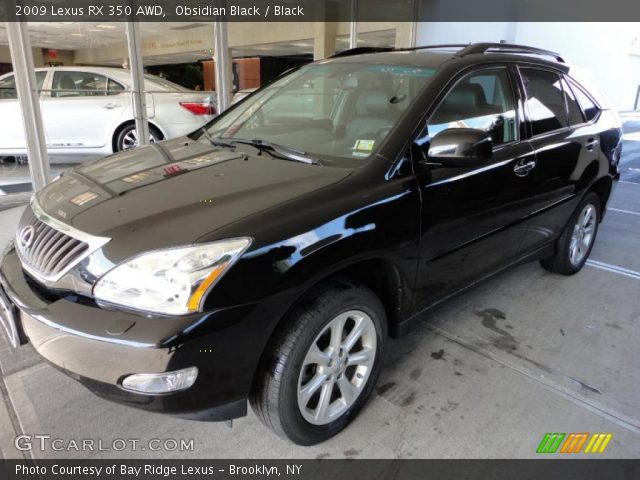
176	192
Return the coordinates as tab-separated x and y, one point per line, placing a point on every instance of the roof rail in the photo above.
360	51
363	50
443	46
463	50
508	48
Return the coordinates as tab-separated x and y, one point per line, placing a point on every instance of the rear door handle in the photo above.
523	168
591	144
111	106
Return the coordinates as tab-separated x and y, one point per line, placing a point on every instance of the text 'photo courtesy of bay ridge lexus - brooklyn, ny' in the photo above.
266	258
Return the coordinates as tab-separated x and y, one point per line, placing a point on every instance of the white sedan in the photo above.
88	111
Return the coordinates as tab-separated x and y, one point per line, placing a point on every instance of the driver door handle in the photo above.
523	167
111	106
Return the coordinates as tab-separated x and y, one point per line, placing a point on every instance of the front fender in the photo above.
382	224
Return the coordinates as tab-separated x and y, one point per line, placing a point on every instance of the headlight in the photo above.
172	281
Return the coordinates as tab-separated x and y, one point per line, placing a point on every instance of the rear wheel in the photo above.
128	137
576	242
322	365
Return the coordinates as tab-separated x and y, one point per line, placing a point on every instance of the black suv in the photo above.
267	257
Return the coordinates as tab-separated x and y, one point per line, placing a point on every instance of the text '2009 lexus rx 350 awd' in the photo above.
266	258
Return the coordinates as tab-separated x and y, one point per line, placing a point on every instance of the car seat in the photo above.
64	85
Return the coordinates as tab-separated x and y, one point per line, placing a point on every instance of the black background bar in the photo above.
318	10
544	469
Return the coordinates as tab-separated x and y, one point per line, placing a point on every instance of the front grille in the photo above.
45	251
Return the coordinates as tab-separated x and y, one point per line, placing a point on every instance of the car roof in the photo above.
119	73
87	68
122	75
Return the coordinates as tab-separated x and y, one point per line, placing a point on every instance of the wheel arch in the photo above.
378	274
602	188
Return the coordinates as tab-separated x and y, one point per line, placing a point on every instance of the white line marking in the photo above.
624	211
629	183
550	382
614	269
633	136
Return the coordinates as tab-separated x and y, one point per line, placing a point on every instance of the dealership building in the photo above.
255	53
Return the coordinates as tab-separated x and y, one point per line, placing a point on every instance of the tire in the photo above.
281	396
126	138
575	244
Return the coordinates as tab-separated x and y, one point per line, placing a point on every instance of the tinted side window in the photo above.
545	100
481	100
589	108
8	85
114	87
78	84
573	108
8	88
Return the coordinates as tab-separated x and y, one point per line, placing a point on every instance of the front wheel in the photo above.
576	242
323	364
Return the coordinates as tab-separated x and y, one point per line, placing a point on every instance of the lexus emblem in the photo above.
26	236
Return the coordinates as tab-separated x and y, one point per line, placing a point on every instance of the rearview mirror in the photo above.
460	147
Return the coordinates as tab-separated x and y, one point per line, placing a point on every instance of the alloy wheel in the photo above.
336	367
130	139
583	234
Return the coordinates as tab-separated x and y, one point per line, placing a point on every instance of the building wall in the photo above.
5	56
605	49
65	57
609	51
241	34
434	33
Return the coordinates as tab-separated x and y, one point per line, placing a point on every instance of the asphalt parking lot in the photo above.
485	375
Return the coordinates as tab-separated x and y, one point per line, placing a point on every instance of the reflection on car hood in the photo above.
175	192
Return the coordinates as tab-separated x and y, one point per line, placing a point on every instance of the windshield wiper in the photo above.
216	142
278	151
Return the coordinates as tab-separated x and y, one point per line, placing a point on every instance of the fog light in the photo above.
161	382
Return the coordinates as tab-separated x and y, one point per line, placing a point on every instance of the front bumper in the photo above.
100	347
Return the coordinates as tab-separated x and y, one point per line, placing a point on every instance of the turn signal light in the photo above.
199	108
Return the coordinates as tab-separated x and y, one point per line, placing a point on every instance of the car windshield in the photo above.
336	112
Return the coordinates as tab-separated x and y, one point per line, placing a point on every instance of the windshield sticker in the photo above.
364	145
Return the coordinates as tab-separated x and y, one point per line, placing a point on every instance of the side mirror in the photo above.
460	147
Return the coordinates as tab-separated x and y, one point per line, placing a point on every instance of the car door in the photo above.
474	218
82	108
11	126
564	144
